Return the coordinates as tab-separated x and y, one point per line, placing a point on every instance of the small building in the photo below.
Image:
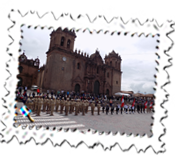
28	71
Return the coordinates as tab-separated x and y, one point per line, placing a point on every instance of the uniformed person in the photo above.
92	107
141	104
34	103
40	103
102	105
130	107
76	107
28	102
87	106
62	105
138	105
107	108
37	103
80	106
31	102
83	107
47	104
115	104
98	107
133	107
117	108
44	104
112	108
52	105
147	109
73	105
57	104
67	104
151	106
126	108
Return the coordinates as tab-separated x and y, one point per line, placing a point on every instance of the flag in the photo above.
122	104
145	104
151	105
26	112
133	103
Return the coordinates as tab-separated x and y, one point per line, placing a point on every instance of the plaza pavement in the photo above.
128	123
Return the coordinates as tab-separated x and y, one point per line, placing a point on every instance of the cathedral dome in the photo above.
96	57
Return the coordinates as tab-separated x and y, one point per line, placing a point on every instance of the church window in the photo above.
110	63
116	82
62	68
62	41
78	65
108	74
68	43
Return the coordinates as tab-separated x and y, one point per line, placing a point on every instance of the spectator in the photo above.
25	88
38	91
51	93
33	94
20	90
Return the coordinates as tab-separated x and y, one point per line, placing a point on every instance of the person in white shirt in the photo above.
126	108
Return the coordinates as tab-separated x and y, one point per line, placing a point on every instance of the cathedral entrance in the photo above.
96	87
77	88
107	91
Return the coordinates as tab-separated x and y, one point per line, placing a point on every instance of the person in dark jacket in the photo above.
33	94
107	108
112	109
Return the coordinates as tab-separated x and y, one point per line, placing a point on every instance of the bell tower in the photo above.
113	60
63	39
59	59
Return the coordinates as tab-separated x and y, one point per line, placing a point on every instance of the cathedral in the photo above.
70	70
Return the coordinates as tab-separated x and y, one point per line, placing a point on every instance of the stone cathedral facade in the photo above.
70	70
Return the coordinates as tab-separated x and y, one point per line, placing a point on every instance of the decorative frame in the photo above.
91	139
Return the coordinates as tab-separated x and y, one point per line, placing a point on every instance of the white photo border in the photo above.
74	139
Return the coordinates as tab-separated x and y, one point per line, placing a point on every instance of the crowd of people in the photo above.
77	104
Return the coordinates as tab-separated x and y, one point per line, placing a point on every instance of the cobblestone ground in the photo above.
128	123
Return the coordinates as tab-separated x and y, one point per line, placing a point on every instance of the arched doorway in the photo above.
20	82
107	91
96	87
77	88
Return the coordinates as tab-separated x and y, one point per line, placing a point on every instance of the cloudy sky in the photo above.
137	53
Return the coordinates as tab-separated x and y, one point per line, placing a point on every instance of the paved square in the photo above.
128	123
